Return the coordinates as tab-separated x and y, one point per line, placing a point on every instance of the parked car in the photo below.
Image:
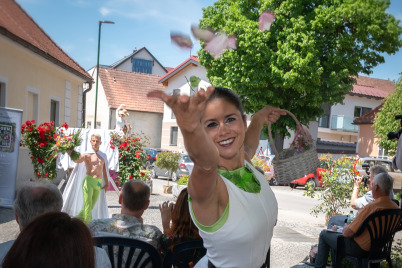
185	168
325	165
394	173
152	152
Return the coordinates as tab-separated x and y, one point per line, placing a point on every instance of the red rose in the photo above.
142	174
28	123
33	121
112	147
137	152
138	139
30	129
128	149
22	126
65	125
40	160
42	144
36	144
54	135
137	155
148	157
31	157
37	173
130	177
47	175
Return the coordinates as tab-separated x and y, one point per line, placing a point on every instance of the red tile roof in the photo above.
130	88
191	60
367	118
382	84
18	26
361	90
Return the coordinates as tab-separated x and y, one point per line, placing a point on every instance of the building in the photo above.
37	76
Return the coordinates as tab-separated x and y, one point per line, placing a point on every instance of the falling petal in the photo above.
219	44
202	34
266	19
181	40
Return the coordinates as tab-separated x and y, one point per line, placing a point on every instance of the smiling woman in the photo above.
223	185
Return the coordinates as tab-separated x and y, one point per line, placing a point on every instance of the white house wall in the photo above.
350	102
146	125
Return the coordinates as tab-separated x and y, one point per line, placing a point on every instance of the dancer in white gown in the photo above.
84	196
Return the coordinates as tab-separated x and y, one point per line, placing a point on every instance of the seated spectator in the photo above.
35	199
177	223
53	239
358	246
357	202
134	200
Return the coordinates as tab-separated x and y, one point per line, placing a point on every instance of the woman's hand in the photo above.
188	110
269	114
166	214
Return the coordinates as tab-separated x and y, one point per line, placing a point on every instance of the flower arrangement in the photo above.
40	140
67	142
132	158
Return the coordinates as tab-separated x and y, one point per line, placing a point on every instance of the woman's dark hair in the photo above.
183	227
53	239
228	95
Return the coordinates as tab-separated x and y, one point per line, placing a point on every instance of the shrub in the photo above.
183	180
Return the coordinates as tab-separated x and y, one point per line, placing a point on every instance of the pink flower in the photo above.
266	19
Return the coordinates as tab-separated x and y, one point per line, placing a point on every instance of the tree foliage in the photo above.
385	119
309	56
168	160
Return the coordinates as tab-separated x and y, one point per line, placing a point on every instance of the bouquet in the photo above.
67	142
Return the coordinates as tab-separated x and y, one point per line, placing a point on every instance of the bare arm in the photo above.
355	193
261	118
346	232
200	148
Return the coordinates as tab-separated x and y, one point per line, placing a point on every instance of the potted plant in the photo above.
336	189
170	161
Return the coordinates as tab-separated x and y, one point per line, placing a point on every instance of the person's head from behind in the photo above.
374	170
96	141
224	121
53	239
135	196
34	199
382	185
183	227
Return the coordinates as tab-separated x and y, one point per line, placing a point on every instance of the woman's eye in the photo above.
212	124
230	119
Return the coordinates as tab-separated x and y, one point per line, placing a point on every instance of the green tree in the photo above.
309	57
385	119
168	160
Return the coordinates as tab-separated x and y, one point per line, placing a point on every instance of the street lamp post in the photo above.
97	67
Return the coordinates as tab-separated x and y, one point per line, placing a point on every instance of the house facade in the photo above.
336	132
176	81
37	76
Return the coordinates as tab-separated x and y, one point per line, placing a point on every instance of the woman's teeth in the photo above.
226	142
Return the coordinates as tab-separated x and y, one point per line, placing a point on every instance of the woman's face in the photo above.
224	124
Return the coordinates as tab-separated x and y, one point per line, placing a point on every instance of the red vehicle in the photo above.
309	178
325	165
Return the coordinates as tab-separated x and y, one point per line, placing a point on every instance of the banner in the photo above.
10	133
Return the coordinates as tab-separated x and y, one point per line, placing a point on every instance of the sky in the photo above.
74	24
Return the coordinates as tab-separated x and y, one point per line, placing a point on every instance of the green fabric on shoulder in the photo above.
243	178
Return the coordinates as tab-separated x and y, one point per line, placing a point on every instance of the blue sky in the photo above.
73	25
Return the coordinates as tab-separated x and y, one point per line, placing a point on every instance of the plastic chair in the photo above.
381	226
137	251
184	253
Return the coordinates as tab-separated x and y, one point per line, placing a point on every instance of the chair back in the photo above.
184	253
124	251
381	226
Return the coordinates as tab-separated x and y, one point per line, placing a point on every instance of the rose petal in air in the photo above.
202	34
181	40
266	19
219	44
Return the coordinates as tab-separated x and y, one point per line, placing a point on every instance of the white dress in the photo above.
73	198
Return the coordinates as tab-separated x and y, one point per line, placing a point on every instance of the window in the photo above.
382	153
98	124
32	105
142	66
173	135
54	111
324	120
359	111
89	124
175	92
2	95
